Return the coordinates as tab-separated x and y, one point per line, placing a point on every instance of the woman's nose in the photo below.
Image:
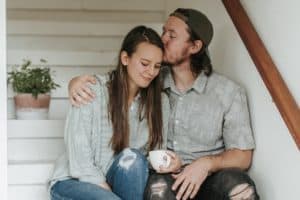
151	70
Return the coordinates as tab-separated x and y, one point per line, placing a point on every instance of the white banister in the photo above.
3	94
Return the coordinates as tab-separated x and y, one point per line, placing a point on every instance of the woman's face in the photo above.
143	65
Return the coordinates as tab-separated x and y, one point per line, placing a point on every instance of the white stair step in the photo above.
84	16
63	43
28	192
61	58
58	108
44	4
124	5
57	28
88	4
35	129
34	149
32	173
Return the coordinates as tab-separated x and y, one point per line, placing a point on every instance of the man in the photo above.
210	137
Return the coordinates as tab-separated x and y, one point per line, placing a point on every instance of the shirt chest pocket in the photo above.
205	124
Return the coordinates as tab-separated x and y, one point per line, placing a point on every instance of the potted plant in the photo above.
32	85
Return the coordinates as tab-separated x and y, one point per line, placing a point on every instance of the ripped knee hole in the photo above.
158	188
242	192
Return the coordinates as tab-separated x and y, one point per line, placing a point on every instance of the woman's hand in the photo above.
105	186
79	91
175	164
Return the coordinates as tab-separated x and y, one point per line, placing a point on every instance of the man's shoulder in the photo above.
223	88
220	81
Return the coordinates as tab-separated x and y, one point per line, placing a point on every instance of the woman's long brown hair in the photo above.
150	106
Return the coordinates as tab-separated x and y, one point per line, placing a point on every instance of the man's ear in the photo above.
196	47
124	58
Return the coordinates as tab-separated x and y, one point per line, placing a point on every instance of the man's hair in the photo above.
200	61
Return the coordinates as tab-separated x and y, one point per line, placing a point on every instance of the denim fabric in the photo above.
127	177
73	189
215	187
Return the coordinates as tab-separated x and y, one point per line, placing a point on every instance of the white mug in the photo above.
159	158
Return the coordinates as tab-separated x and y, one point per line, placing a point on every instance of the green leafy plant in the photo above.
32	79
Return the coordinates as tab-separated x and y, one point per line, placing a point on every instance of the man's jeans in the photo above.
127	177
219	186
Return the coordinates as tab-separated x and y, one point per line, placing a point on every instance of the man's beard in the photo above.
183	57
176	62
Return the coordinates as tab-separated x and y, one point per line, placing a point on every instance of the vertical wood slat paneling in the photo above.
280	93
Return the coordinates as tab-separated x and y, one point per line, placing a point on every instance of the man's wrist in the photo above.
210	163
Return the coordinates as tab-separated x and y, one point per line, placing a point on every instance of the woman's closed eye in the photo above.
145	64
158	66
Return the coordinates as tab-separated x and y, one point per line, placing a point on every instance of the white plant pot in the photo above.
28	107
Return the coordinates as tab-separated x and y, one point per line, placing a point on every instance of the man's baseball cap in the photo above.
197	22
201	28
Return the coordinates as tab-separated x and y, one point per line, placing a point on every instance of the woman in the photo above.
107	139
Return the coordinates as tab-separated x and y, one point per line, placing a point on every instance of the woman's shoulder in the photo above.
101	83
101	79
99	88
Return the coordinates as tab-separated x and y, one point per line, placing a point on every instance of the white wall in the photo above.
276	164
3	137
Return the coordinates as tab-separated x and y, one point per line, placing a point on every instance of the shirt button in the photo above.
176	121
180	98
175	142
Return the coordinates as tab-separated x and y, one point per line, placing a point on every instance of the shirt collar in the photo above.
199	84
168	79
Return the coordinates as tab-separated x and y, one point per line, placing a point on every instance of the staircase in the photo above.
75	37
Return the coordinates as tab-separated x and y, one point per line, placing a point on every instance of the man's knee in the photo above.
159	188
243	191
236	184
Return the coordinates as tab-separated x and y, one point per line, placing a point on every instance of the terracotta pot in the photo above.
27	107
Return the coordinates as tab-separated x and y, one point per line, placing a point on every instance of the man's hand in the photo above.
79	91
174	166
105	186
191	178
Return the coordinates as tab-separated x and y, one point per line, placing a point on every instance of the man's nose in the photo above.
164	39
